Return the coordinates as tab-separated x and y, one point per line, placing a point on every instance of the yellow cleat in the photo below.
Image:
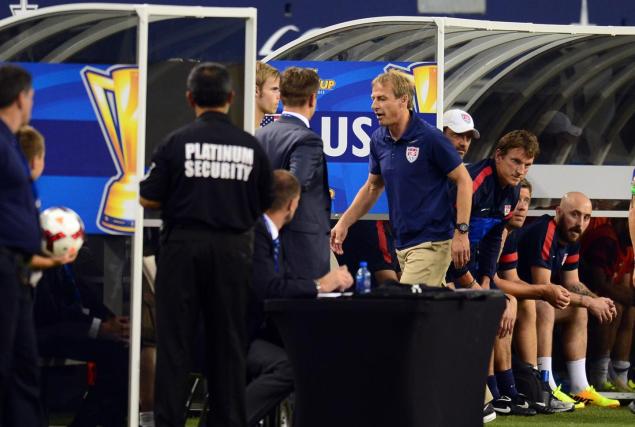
589	395
620	386
606	386
564	397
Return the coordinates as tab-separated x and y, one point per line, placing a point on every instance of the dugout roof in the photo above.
162	42
511	76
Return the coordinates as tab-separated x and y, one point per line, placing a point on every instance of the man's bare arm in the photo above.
509	282
460	242
364	200
602	308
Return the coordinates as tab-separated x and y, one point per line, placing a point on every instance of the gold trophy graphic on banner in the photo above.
114	95
426	87
424	76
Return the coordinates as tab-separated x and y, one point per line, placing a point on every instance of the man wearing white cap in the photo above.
458	127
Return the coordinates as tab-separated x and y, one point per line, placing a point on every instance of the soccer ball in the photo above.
62	231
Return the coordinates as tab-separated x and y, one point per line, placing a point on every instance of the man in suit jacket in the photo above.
292	145
267	364
73	323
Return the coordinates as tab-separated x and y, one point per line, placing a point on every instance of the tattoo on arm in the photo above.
580	289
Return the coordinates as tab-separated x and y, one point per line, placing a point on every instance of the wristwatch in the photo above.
462	227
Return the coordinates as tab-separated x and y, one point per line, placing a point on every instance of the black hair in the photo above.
13	81
210	84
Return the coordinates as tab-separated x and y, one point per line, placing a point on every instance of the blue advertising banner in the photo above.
87	115
345	120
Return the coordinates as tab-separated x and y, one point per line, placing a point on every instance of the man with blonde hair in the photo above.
412	160
267	91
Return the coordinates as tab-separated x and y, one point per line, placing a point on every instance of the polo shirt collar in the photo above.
411	130
492	163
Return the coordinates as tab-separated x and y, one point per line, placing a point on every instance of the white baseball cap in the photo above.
460	122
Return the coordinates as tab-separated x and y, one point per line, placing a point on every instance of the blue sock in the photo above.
506	383
493	387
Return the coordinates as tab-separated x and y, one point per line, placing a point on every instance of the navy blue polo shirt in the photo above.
492	207
19	219
414	170
539	246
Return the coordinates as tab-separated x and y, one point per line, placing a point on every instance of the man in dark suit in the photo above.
267	364
72	322
292	145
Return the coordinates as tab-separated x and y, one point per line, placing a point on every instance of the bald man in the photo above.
549	249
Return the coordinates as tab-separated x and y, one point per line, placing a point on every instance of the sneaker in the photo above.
631	406
489	414
564	397
606	386
589	395
556	405
620	386
516	405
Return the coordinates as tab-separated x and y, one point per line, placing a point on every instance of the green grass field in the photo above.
621	417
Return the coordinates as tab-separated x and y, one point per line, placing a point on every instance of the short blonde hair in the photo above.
31	141
402	84
263	72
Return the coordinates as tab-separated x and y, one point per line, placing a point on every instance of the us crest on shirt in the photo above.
412	153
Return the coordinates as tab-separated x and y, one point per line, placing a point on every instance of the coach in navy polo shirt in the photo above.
19	240
413	160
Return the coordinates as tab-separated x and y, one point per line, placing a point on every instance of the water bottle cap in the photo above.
363	264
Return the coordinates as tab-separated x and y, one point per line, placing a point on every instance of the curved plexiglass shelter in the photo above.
574	86
109	84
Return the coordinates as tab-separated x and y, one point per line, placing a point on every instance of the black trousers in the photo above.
19	371
105	403
271	379
202	272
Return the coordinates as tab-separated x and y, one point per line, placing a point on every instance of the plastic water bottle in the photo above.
362	279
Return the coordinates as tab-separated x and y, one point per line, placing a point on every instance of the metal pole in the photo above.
137	243
440	69
250	72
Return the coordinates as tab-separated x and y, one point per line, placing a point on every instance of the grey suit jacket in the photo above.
291	145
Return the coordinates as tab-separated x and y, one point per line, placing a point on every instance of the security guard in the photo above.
19	240
211	181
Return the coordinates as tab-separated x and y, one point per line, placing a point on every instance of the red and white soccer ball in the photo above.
62	231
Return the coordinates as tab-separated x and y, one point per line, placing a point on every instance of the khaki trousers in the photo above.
425	263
